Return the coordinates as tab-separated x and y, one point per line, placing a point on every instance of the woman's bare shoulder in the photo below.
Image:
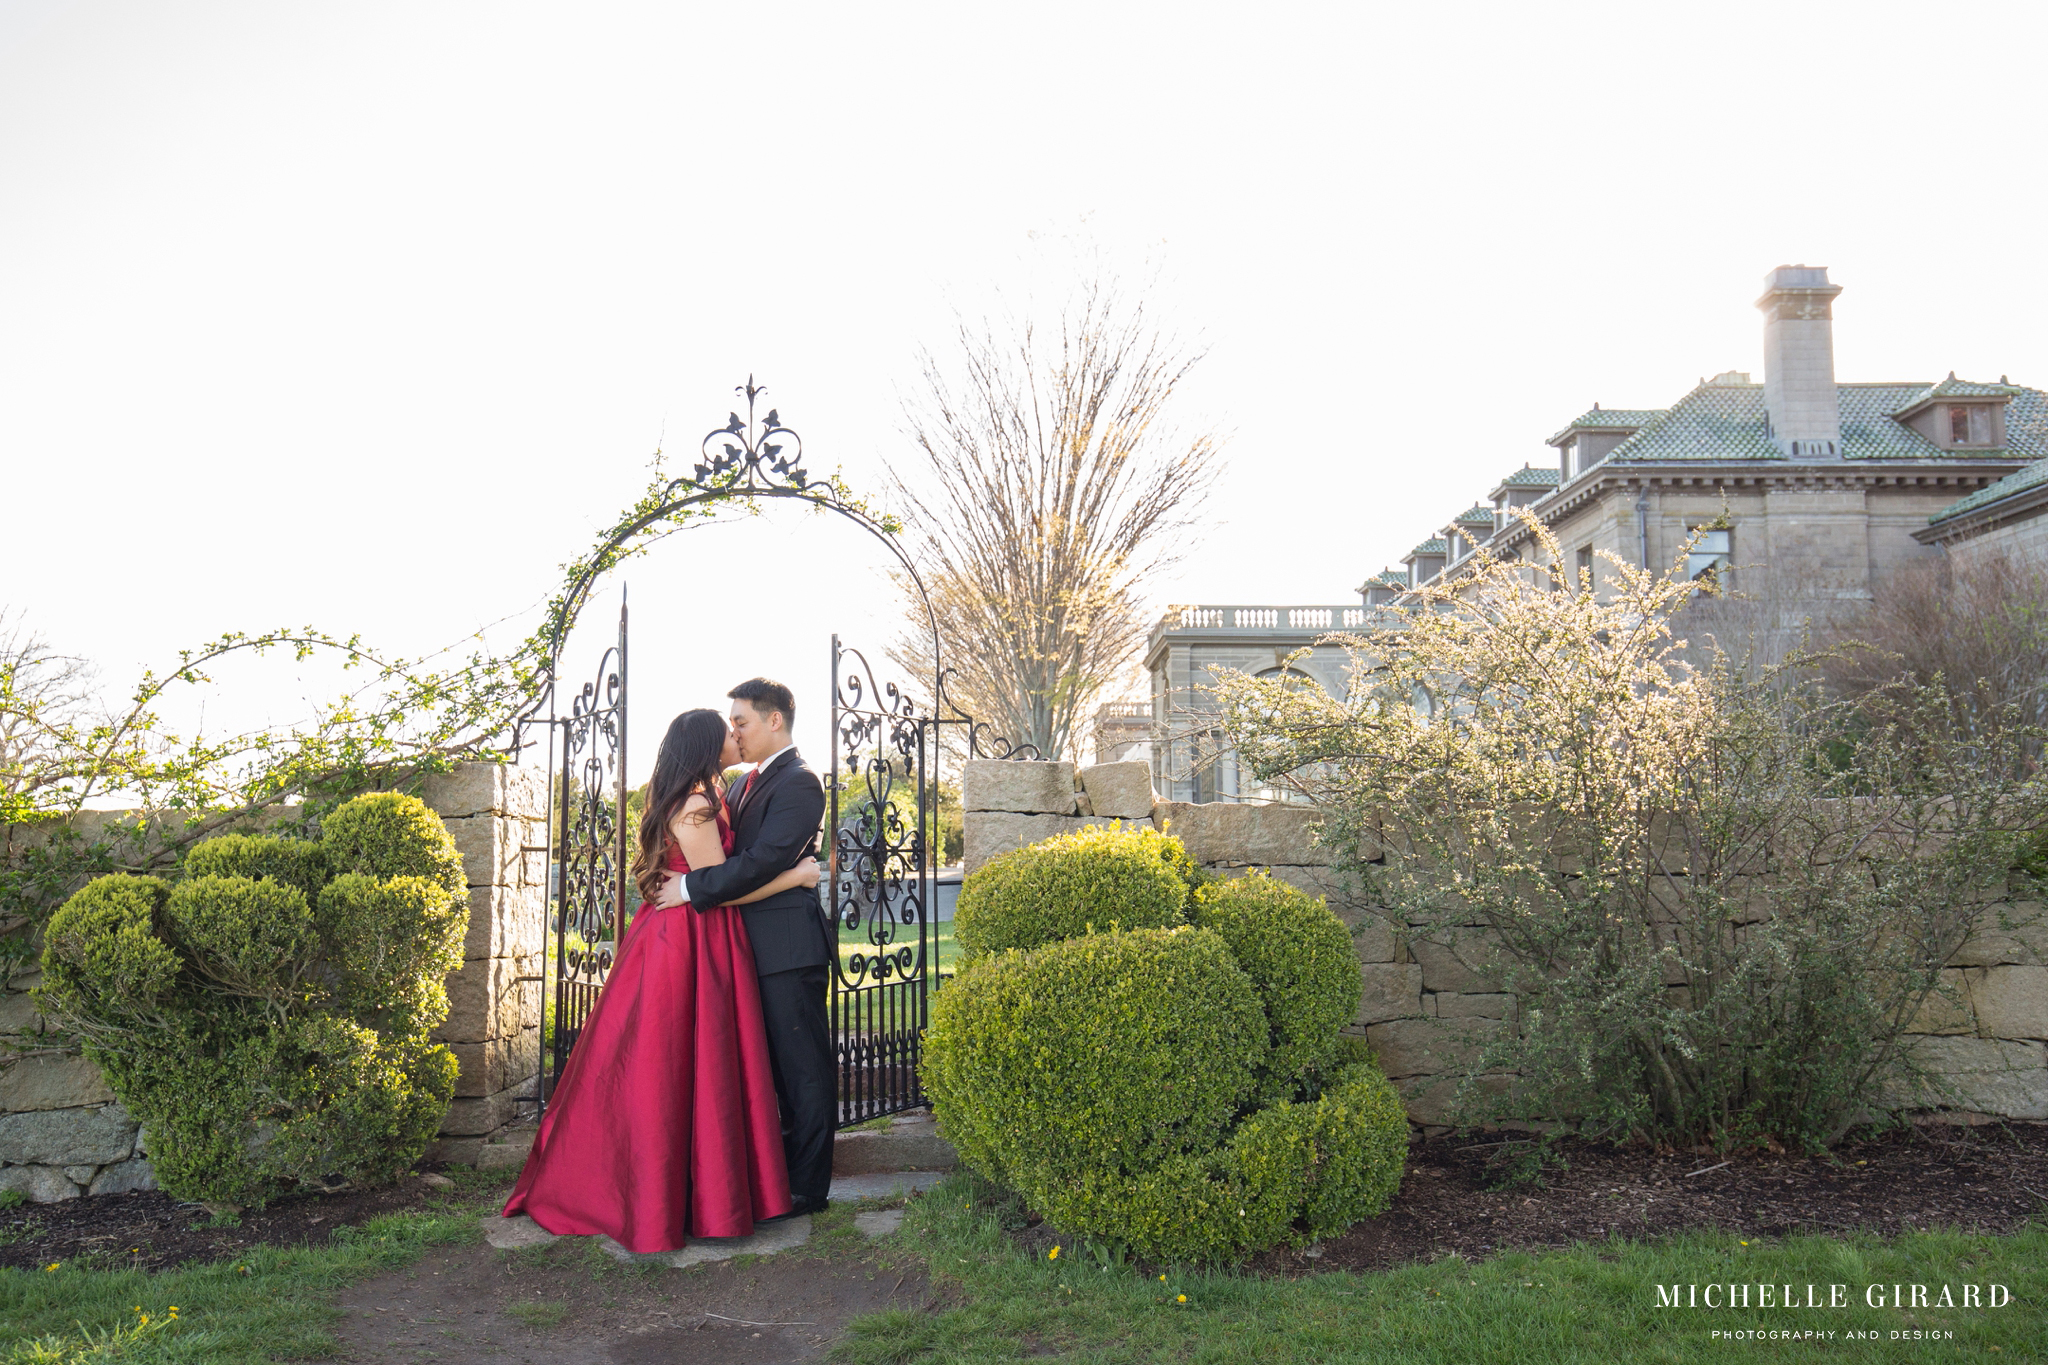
697	809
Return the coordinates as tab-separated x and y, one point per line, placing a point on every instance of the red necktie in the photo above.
745	788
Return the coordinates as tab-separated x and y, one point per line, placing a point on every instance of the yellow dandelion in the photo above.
1182	1299
51	1266
1053	1255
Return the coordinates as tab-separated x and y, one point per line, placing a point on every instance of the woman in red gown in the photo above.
663	1126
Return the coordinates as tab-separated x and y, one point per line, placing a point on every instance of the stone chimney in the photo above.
1799	362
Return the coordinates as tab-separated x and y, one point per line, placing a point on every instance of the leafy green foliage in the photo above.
252	939
267	1040
1719	892
1291	1173
391	941
1097	878
1106	1051
390	834
1301	962
1180	1089
103	958
299	863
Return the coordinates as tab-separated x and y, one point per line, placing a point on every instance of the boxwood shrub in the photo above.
1290	1173
1097	878
269	1025
1106	1051
1182	1090
1302	963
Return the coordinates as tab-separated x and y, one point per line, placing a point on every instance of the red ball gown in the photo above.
664	1125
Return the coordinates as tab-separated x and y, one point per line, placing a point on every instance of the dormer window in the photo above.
1957	414
1969	424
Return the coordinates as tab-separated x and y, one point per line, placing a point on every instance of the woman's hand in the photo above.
808	873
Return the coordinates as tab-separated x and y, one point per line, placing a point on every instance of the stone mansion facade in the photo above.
1798	493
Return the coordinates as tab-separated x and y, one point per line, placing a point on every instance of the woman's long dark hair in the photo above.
689	761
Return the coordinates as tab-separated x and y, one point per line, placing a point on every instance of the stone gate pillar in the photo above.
498	815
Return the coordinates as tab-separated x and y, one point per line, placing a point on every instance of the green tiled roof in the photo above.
1727	422
1953	387
1529	476
2017	481
1387	578
1478	514
1608	419
1435	545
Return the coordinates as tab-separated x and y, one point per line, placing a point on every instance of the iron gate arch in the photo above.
882	874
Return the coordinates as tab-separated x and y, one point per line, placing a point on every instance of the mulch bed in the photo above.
152	1230
1993	1179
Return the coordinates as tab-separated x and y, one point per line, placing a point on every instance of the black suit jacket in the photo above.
777	825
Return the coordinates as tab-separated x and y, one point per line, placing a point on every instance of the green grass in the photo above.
938	939
1591	1303
270	1303
539	1313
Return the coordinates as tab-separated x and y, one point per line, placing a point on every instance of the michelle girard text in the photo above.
1832	1296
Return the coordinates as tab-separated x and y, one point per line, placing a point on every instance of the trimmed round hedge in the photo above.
1302	963
1109	1051
268	1025
1183	1090
1291	1173
1098	878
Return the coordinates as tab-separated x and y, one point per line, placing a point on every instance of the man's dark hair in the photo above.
766	694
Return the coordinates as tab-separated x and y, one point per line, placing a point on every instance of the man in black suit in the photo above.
776	814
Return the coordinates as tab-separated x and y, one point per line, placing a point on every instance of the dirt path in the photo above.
568	1304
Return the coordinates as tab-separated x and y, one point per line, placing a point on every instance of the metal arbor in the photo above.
881	811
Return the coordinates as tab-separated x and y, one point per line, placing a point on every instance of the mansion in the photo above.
1798	493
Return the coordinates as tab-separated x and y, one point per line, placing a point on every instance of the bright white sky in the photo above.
367	315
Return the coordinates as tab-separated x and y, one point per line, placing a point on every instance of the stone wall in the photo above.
1428	1004
498	816
61	1132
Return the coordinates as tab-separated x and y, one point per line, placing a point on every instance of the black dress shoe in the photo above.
799	1209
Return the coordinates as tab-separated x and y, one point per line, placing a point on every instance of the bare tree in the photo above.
43	694
1978	621
1049	485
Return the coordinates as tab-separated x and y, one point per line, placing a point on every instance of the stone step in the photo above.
911	1142
506	1149
510	1234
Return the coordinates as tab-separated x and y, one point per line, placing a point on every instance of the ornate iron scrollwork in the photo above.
880	855
880	806
588	914
982	739
753	455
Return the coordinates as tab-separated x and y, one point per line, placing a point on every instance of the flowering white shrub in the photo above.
1719	894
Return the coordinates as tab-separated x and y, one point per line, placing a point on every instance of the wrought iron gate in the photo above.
588	882
882	818
880	809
